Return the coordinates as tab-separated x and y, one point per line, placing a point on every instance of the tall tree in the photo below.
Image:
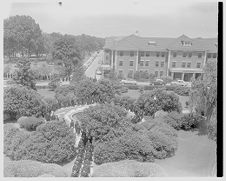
78	74
204	94
21	35
24	75
65	50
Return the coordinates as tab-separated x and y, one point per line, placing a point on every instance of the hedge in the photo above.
185	122
180	90
52	142
132	145
30	123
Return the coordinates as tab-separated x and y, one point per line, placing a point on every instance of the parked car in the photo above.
129	82
181	83
98	72
158	82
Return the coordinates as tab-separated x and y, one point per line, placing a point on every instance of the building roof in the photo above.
134	42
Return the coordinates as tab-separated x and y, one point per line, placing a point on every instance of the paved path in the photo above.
91	70
195	157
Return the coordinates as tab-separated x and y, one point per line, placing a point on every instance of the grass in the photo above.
46	93
195	156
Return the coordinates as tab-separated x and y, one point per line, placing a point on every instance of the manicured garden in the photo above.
147	131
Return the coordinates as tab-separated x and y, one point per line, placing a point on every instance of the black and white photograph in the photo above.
112	88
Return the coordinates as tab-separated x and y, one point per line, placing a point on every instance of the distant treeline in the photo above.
24	38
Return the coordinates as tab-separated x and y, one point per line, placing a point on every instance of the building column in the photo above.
193	76
112	59
205	59
172	74
168	65
182	76
137	60
115	58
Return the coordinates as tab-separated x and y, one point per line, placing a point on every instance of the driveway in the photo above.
91	70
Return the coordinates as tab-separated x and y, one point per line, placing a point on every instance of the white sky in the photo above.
167	18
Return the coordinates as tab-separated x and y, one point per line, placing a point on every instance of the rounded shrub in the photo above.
173	119
20	101
104	122
30	123
132	145
52	142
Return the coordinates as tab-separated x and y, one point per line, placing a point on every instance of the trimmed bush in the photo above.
29	168
20	101
173	119
30	123
162	136
183	121
180	90
104	122
52	142
132	145
191	121
124	101
151	102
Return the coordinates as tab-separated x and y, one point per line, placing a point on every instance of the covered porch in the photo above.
185	75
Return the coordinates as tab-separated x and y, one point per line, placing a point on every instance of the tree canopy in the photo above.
203	96
24	75
22	35
20	101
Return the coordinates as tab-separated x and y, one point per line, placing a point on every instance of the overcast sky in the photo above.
165	18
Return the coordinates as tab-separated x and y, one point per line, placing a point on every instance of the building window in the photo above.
131	53
120	63
121	53
156	64
163	54
200	55
174	54
120	72
174	64
209	55
156	73
162	64
142	54
141	63
186	43
184	54
198	65
190	55
130	74
147	54
214	55
183	64
157	54
131	63
147	63
189	65
161	73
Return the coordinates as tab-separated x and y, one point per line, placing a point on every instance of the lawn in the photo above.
46	93
196	156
